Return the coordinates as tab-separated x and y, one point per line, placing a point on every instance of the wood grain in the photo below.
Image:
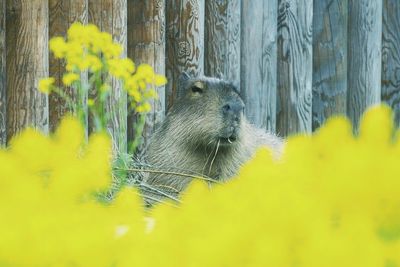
259	61
62	13
391	56
329	60
3	107
291	77
364	57
222	40
95	16
184	42
111	16
27	63
146	44
294	112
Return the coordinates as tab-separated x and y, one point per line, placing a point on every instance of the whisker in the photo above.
208	157
215	155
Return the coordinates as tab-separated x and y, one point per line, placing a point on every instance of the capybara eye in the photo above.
196	89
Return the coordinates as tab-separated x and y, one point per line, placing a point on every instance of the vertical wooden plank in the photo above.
222	40
62	14
294	66
184	42
364	57
146	44
329	60
111	16
3	136
95	12
27	63
268	97
391	56
95	17
258	61
117	102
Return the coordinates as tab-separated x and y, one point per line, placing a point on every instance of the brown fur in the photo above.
193	137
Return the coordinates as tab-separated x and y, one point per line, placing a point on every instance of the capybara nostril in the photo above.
226	108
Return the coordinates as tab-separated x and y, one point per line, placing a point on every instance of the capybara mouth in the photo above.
228	140
229	136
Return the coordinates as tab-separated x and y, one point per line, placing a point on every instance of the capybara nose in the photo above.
233	109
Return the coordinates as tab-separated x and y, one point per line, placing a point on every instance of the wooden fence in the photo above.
297	62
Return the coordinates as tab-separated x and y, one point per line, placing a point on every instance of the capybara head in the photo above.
210	109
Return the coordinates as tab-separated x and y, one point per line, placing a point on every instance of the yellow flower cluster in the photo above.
87	48
47	209
46	84
84	47
333	200
137	85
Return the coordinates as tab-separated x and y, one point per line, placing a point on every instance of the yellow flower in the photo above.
332	200
58	46
105	38
160	80
70	67
144	108
74	53
95	63
150	94
76	31
90	34
136	95
145	71
47	186
116	68
45	85
128	65
87	48
69	78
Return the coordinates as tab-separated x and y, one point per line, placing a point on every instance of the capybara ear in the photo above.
183	83
184	76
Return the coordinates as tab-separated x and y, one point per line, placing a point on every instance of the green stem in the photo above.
138	132
82	105
64	96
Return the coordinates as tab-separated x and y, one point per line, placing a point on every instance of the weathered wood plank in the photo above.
111	16
27	63
391	56
364	57
329	60
222	40
146	44
258	61
184	42
294	112
95	11
269	66
61	15
117	105
3	108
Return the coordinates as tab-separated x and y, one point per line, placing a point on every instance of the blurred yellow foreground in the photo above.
333	200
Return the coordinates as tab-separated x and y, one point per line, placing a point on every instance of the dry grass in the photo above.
129	171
